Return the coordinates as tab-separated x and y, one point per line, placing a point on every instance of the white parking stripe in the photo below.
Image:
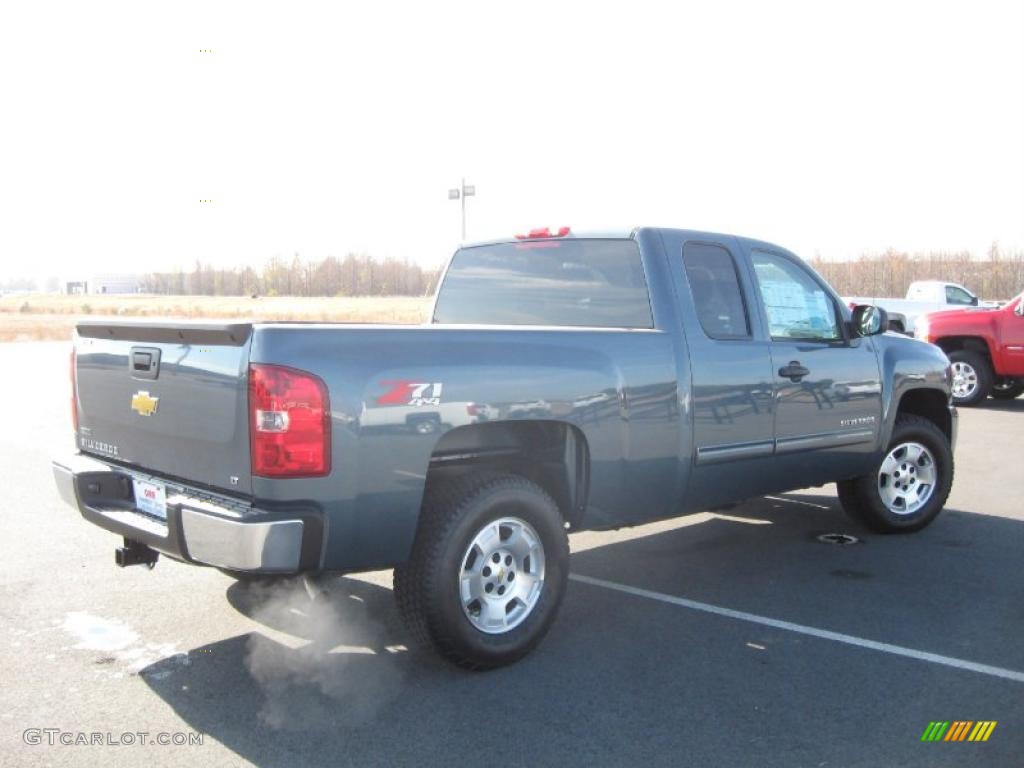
839	637
799	501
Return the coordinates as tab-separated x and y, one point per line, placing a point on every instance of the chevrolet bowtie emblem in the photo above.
143	404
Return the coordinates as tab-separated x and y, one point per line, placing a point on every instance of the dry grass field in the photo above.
45	316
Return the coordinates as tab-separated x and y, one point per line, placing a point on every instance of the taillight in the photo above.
289	422
74	392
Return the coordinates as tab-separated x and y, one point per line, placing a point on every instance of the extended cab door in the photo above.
828	393
731	372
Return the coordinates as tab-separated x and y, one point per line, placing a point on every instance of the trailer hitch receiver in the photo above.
135	553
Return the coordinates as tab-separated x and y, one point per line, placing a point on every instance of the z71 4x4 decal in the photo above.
411	393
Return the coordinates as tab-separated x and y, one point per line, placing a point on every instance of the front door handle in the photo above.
794	371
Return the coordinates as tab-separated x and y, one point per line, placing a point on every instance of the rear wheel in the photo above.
488	570
425	427
1007	389
972	377
909	486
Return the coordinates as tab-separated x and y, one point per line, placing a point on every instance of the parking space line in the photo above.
824	634
801	502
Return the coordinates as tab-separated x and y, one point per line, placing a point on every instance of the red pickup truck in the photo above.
985	346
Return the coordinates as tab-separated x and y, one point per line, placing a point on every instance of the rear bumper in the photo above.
200	527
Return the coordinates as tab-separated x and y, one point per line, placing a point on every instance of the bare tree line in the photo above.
1000	275
331	276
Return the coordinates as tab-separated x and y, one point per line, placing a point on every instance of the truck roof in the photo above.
933	282
625	234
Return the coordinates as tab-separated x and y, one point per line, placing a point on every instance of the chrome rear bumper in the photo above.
200	527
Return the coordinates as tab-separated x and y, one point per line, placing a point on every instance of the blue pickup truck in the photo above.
563	383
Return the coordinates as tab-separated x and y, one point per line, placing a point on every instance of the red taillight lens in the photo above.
74	392
289	422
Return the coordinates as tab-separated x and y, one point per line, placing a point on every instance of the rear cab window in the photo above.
715	289
584	282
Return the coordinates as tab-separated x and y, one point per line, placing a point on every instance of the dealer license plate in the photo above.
151	498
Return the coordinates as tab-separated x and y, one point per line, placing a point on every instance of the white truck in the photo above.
923	296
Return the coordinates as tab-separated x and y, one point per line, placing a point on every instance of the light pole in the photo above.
464	191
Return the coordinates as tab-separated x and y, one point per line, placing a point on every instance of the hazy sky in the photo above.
323	128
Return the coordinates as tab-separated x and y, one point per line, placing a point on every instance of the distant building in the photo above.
72	287
104	283
115	283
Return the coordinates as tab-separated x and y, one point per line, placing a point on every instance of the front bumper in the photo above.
201	527
954	419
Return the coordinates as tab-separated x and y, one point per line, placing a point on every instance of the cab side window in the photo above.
715	287
956	295
798	306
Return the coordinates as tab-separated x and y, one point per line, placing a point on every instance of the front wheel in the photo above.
488	570
910	485
972	377
1007	389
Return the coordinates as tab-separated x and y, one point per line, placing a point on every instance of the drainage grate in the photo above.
842	539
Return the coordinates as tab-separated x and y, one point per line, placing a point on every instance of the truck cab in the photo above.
939	292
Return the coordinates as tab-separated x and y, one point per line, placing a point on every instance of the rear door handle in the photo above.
794	371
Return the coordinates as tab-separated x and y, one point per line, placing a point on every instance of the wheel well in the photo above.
969	343
552	454
930	404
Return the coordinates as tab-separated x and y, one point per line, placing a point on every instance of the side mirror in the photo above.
1020	308
869	320
974	301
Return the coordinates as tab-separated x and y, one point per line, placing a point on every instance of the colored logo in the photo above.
958	730
143	404
417	393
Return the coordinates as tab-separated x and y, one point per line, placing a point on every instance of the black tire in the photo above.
427	587
982	369
424	425
1007	389
862	500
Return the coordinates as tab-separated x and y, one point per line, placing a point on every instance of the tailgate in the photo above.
170	398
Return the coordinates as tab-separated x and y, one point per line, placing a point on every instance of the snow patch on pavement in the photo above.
98	634
122	645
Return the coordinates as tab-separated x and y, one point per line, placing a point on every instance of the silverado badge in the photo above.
143	404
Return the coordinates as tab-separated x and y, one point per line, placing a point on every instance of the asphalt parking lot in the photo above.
732	639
